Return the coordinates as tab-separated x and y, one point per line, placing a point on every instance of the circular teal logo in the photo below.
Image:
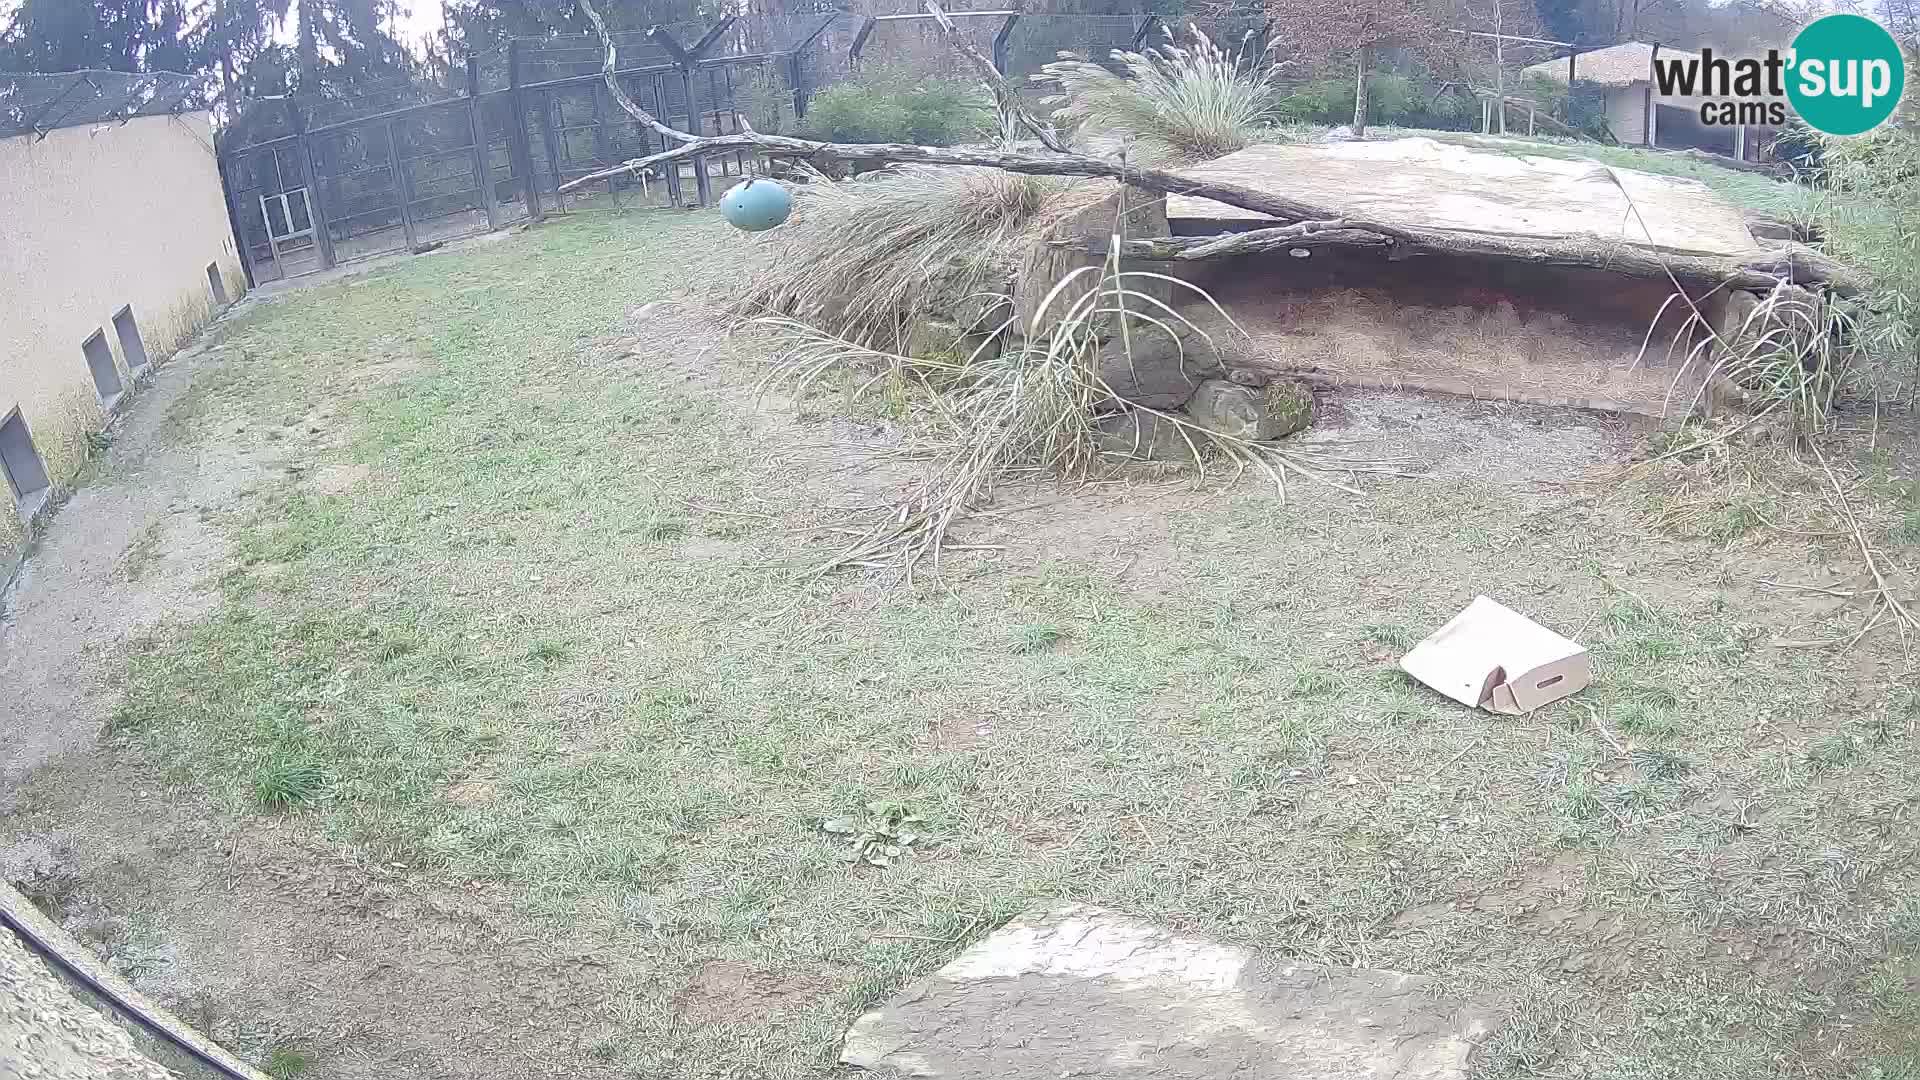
1846	74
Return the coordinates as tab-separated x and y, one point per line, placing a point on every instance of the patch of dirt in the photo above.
726	991
1455	438
477	789
146	558
377	370
257	934
339	478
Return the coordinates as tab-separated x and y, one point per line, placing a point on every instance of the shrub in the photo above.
1180	104
1873	221
889	103
1392	100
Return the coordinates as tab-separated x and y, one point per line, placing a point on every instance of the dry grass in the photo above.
1173	104
867	259
1023	411
1791	356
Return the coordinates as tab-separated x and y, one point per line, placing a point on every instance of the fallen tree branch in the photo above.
1796	264
1588	251
1903	616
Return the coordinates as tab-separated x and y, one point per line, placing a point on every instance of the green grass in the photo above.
497	666
285	1063
288	779
1036	637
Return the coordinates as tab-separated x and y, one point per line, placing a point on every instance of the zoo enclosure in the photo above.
337	181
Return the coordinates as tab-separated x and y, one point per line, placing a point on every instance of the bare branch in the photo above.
619	94
1004	96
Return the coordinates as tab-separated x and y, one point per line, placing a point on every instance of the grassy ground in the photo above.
527	623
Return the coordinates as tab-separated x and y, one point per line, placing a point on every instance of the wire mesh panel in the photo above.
273	203
1040	39
354	173
919	45
497	129
373	99
404	165
816	48
584	54
440	179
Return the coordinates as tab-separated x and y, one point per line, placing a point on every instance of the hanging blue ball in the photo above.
756	204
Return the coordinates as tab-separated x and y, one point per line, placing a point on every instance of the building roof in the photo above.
1616	65
32	104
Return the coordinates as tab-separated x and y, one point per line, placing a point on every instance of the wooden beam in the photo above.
674	49
1000	43
1763	272
860	38
708	39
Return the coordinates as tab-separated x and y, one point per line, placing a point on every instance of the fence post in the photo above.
797	79
672	168
684	60
796	73
552	148
1146	27
482	149
702	185
860	39
402	190
316	194
227	161
1000	42
602	146
518	146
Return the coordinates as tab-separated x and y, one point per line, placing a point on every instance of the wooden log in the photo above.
1792	263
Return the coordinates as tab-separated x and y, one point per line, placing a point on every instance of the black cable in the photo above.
52	956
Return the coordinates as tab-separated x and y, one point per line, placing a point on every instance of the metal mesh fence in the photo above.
398	166
37	104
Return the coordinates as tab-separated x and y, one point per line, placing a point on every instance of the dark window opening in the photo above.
106	377
26	476
216	283
128	332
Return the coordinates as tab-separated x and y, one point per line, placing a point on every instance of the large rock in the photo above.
1252	413
1147	437
1083	992
1046	264
1153	368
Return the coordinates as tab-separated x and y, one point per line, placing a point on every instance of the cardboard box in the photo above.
1492	657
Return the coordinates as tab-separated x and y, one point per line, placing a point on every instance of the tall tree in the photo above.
1359	28
1501	19
74	35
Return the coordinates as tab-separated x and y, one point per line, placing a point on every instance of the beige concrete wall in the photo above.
93	218
1627	113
